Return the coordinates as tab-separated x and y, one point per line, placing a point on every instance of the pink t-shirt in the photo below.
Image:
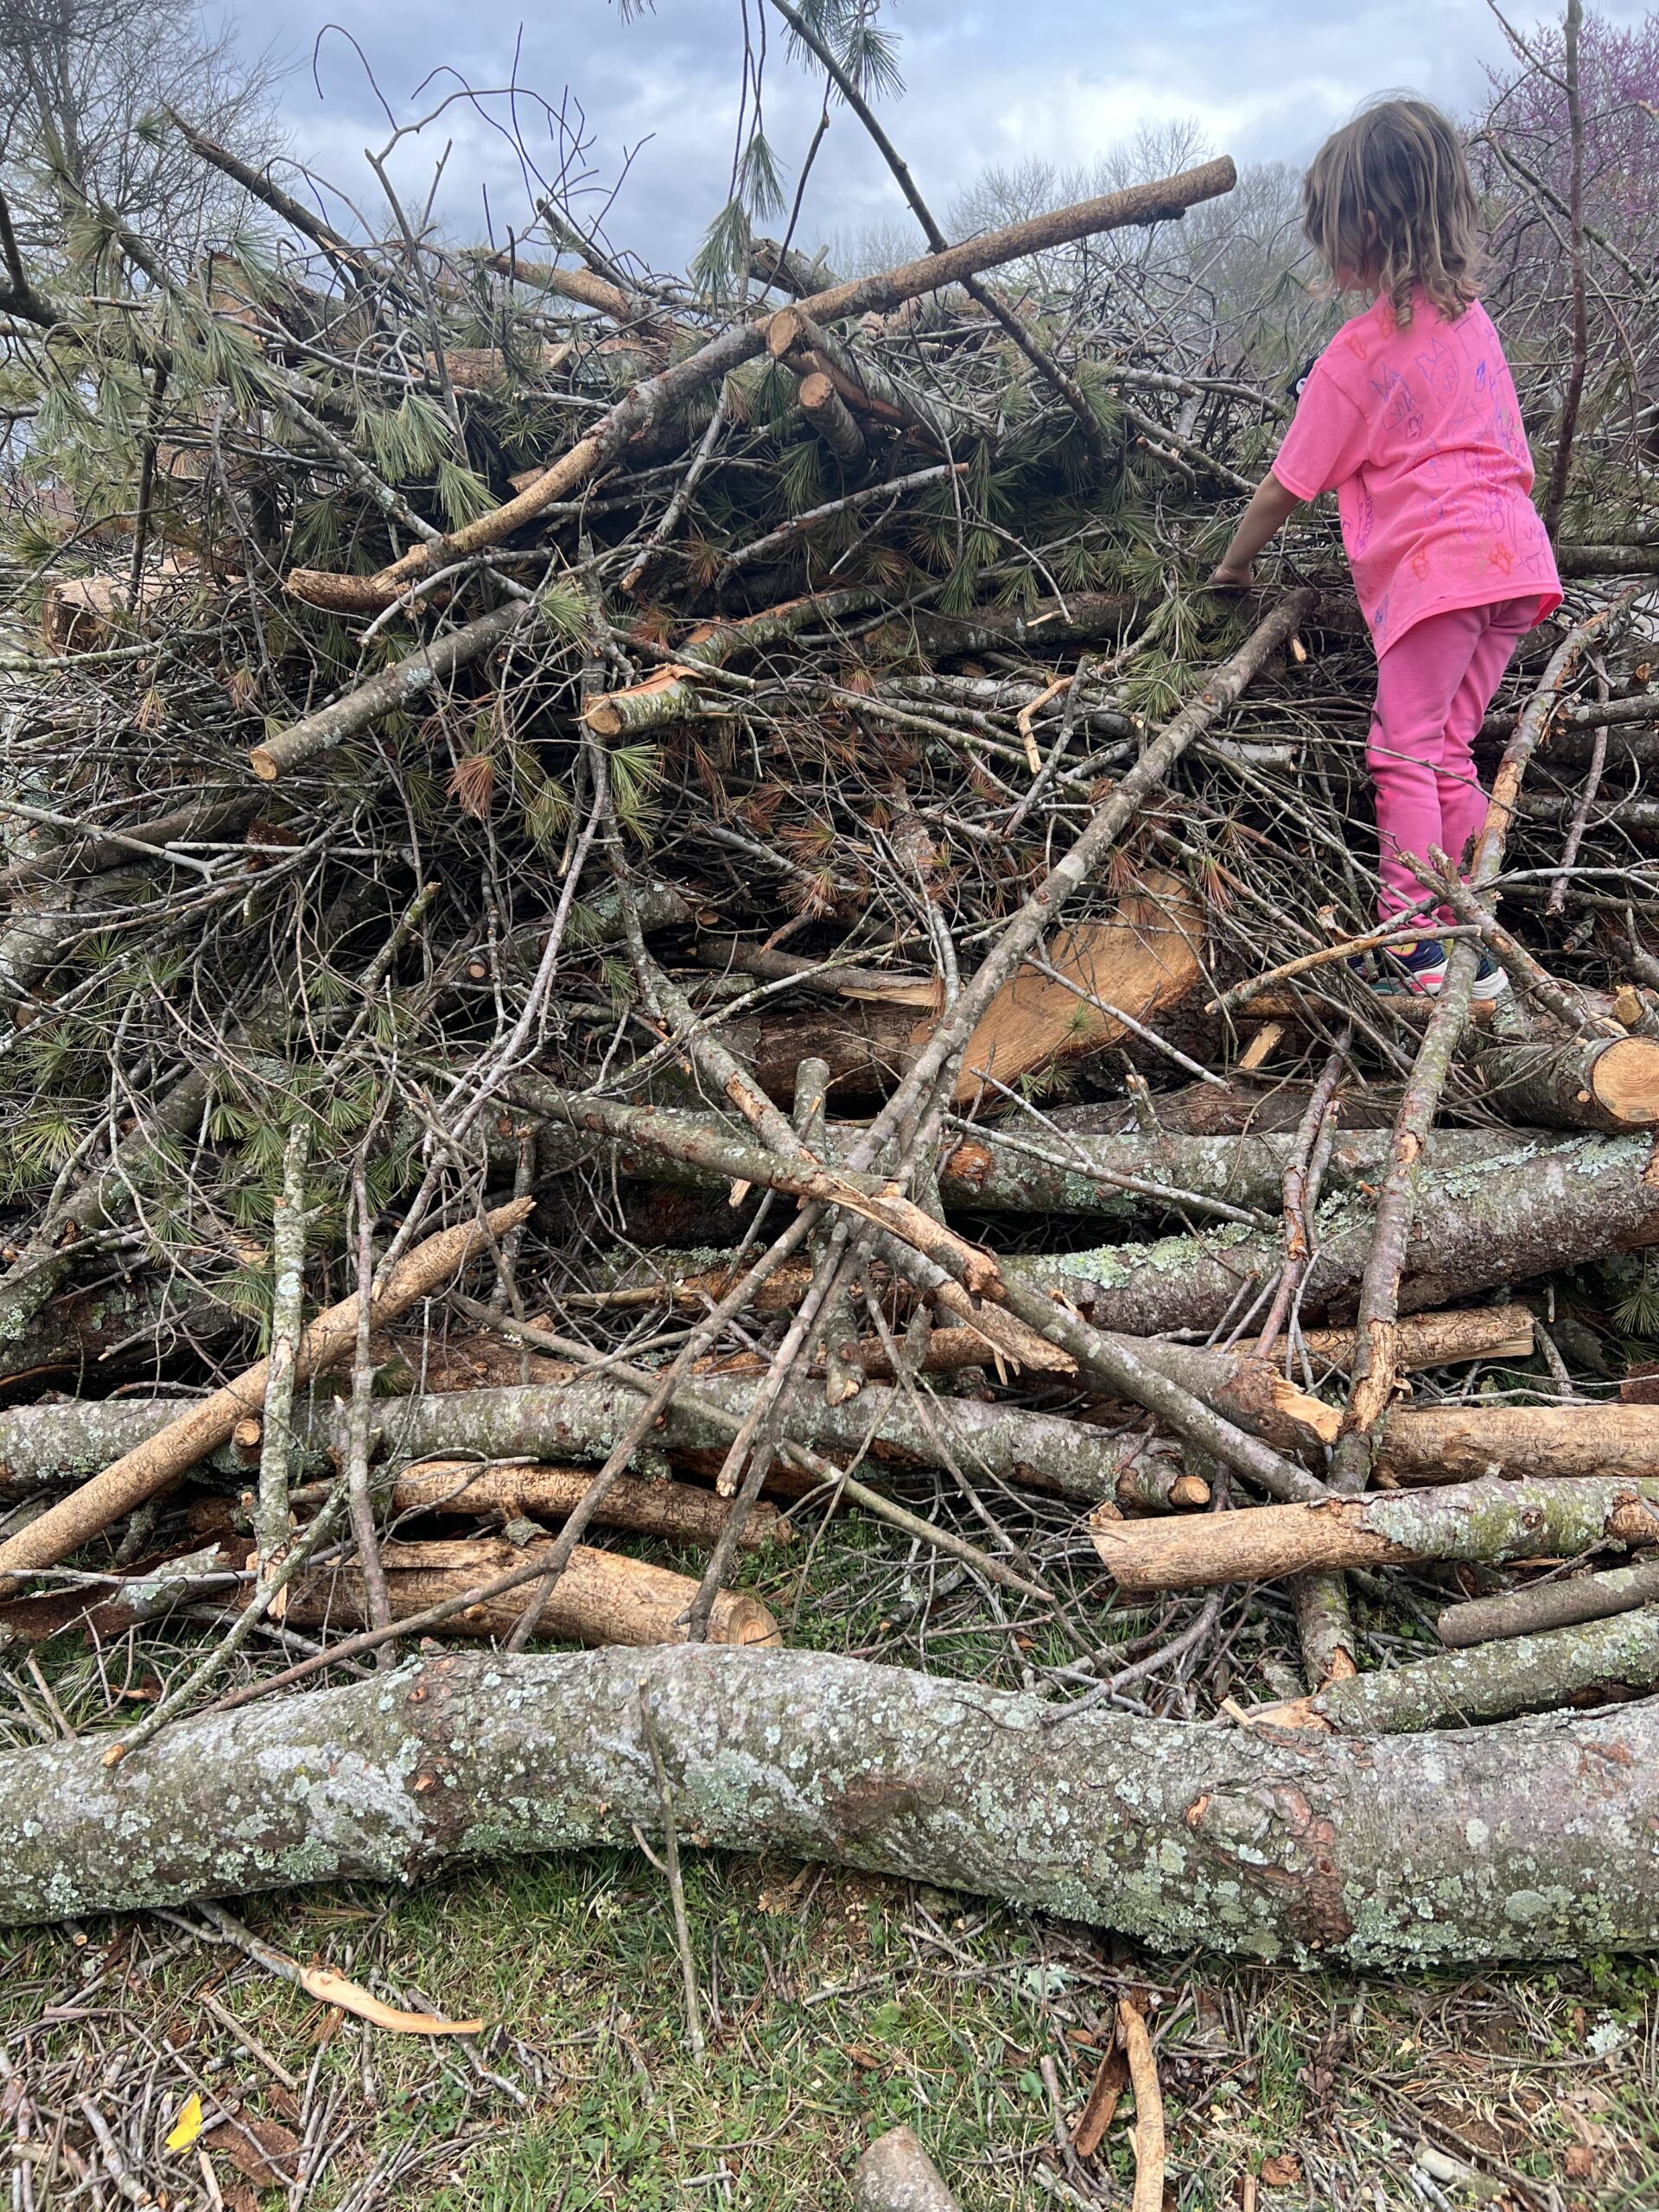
1419	433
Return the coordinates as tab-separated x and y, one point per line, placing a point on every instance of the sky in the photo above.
986	81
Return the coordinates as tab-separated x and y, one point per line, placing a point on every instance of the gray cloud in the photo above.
991	82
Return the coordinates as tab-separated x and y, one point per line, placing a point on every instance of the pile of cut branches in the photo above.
656	926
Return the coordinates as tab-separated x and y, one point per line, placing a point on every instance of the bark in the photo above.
460	1487
1537	1839
600	1597
992	1172
1542	1605
867	1048
1551	1204
787	269
1233	1108
90	1339
1532	1674
42	1446
896	2174
153	1467
985	1174
1425	1340
1491	1520
109	1609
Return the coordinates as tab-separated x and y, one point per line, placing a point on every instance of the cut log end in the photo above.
1625	1081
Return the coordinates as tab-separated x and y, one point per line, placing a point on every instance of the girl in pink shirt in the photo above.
1410	416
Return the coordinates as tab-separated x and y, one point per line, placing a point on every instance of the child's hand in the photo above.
1229	574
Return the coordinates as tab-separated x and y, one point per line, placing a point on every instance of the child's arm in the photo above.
1269	510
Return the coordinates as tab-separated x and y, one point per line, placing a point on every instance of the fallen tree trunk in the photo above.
42	1446
1491	1520
1551	1205
993	1175
1273	1846
600	1597
583	1419
997	1171
1575	1083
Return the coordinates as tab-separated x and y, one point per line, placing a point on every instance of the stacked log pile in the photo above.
667	979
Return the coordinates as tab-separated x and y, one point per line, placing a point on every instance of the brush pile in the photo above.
659	923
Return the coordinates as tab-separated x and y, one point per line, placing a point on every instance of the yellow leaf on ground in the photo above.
186	2128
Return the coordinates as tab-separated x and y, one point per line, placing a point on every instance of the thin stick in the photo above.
358	1423
676	1885
271	1525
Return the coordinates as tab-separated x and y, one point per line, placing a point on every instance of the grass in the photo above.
835	2006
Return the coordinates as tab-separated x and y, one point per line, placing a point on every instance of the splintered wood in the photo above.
1087	988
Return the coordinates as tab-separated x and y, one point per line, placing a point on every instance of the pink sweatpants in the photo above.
1433	691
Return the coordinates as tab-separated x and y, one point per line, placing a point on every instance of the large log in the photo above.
1491	1520
1577	1082
1554	1203
1453	1444
1537	1839
601	1597
992	1176
584	1418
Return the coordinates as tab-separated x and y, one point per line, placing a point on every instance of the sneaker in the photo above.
1490	981
1407	971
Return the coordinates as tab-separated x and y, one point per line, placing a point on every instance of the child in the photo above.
1410	416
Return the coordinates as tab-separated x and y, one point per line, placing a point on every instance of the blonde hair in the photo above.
1389	202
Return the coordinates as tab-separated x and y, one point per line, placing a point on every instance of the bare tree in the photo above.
80	81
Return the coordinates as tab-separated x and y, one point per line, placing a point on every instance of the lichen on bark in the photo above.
1275	1846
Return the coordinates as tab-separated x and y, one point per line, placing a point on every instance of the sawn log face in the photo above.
1537	1839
